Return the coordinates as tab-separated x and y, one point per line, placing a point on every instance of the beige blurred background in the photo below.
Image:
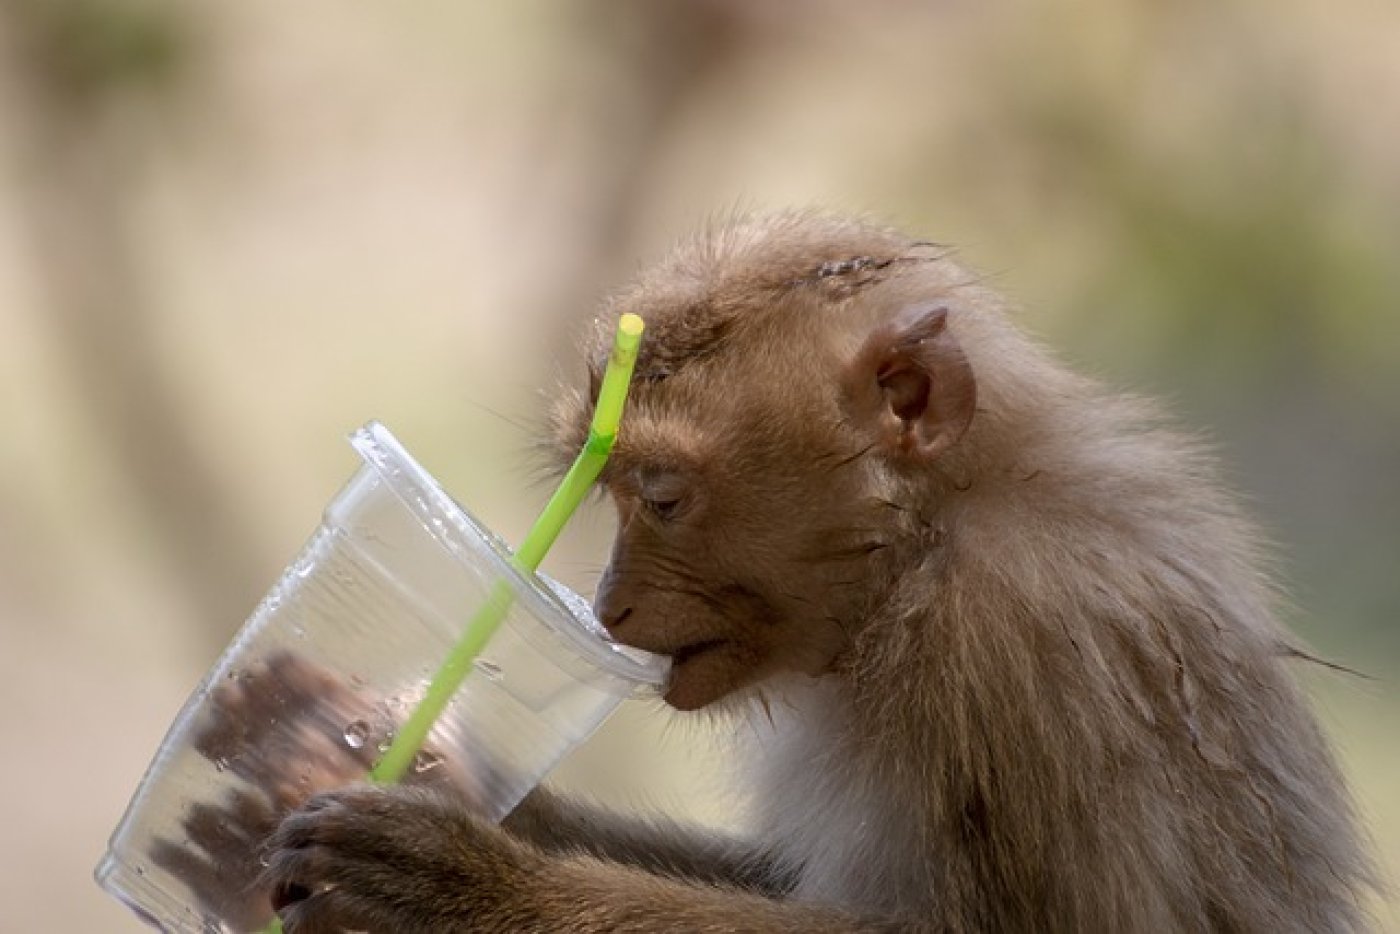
230	232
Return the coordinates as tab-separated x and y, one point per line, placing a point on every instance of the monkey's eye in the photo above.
663	509
665	496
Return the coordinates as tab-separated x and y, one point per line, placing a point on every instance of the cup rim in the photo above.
454	528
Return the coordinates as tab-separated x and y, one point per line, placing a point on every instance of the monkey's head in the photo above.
798	391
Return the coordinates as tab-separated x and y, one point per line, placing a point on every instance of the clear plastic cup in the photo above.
335	656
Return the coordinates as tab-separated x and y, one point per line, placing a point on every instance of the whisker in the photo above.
517	423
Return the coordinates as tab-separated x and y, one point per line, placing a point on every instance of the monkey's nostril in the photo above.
613	620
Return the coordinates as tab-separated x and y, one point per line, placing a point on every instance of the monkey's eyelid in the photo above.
663	488
665	510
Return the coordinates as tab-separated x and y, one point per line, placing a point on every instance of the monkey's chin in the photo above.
704	672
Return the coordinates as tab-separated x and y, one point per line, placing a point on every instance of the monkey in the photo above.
1006	649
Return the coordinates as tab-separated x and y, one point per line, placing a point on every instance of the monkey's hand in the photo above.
286	728
413	860
399	859
278	726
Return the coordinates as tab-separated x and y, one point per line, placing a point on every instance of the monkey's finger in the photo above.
310	750
328	888
231	898
255	701
189	866
333	910
303	679
361	825
225	842
223	732
312	823
234	721
223	831
315	776
252	815
291	874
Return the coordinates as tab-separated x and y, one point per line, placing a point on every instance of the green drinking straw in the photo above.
602	432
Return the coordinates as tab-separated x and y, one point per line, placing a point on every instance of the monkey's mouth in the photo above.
702	672
690	652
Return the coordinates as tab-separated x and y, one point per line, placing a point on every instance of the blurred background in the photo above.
232	232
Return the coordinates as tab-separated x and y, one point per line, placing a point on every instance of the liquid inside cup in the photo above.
310	691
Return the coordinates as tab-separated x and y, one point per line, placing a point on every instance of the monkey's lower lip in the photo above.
686	653
701	673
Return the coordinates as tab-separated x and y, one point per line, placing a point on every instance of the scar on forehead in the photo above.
703	328
864	269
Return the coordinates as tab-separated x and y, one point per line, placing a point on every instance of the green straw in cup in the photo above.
602	432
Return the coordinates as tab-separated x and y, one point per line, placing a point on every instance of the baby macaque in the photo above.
1008	655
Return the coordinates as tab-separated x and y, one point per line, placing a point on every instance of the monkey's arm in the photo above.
412	860
561	825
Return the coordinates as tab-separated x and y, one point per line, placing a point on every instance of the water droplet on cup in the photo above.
489	668
424	760
356	734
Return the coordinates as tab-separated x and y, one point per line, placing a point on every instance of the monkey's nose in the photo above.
610	603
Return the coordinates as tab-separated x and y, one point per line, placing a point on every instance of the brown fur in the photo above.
1021	673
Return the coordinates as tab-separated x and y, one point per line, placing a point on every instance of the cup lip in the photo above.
454	528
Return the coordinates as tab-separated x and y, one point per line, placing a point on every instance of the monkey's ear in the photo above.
911	385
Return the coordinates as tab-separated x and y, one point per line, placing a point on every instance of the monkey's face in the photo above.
734	567
754	529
